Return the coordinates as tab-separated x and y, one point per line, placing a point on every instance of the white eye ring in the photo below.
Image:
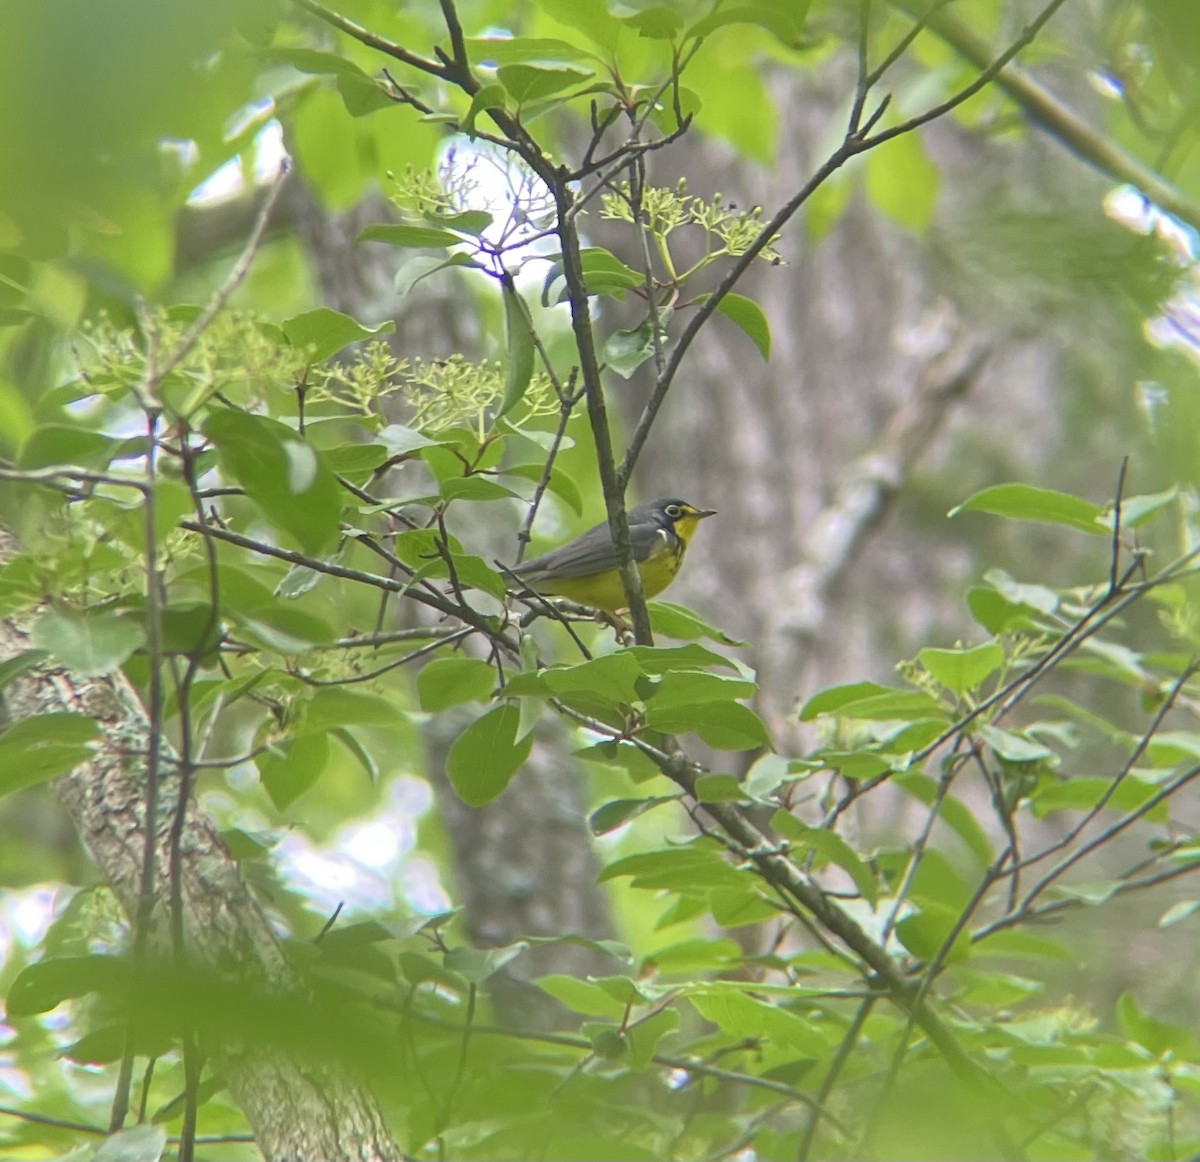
673	511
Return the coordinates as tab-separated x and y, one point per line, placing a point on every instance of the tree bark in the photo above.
299	1110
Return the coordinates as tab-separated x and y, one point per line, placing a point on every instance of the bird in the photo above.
585	570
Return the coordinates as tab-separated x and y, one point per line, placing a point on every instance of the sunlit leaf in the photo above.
323	332
1025	502
963	669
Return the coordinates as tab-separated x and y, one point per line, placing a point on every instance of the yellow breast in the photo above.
605	591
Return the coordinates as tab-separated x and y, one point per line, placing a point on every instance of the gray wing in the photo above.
592	552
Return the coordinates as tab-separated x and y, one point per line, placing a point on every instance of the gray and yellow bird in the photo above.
585	570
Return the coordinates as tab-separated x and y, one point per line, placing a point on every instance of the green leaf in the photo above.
881	703
783	18
45	985
89	642
1136	510
291	768
623	756
402	441
19	664
926	931
661	659
518	339
283	474
749	316
1014	747
963	669
902	182
525	83
447	682
738	1014
656	22
829	847
143	1143
677	621
701	954
581	996
718	788
323	332
409	237
625	351
995	612
644	1036
603	274
1180	910
616	814
484	758
1008	942
1024	502
284	630
1159	1037
54	444
335	706
692	869
475	488
735	907
1083	794
491	96
612	678
831	700
477	964
360	93
724	725
423	265
591	20
1036	597
495	50
560	483
43	746
695	687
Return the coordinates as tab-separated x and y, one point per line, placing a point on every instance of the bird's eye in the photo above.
673	511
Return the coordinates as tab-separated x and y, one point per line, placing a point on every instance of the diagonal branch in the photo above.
1061	121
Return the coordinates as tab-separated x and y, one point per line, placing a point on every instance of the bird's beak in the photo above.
701	513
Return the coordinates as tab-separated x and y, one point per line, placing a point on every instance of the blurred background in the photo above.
968	306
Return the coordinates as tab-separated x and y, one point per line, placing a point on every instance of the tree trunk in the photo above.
299	1110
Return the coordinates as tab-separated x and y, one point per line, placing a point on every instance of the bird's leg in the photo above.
619	626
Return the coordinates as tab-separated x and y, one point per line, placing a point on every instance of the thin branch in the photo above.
612	483
863	81
1045	109
1082	852
567	404
1118	496
231	282
985	78
371	39
1114	784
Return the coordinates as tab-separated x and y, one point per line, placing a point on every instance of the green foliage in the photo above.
288	553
